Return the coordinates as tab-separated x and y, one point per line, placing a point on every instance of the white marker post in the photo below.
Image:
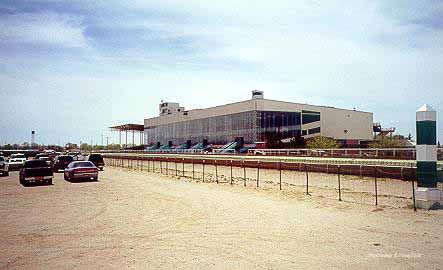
427	194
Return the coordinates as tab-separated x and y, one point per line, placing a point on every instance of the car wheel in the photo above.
95	179
49	182
65	177
6	173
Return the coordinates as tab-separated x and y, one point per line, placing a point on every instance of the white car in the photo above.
15	163
18	156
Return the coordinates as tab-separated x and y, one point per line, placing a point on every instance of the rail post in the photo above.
258	173
167	166
161	166
203	178
279	170
142	161
361	175
307	179
339	184
216	171
192	169
413	195
231	174
175	162
375	185
183	167
244	173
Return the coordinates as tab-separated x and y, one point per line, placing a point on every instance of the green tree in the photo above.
273	140
25	146
321	142
387	142
71	146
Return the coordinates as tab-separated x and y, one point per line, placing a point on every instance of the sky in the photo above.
71	69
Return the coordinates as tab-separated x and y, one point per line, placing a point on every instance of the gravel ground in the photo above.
140	220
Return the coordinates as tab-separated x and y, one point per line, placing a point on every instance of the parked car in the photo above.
4	168
34	171
77	156
46	159
38	156
81	170
53	155
15	164
18	156
61	162
97	159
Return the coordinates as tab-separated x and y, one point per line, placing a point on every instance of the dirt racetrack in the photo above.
141	220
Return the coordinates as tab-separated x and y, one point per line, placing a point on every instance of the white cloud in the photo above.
42	28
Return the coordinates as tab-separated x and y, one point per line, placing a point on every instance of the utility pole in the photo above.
102	140
107	142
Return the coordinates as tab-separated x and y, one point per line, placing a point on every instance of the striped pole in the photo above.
426	147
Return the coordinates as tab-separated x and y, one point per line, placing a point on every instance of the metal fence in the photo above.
384	186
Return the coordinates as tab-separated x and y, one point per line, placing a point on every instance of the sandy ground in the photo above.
140	220
356	189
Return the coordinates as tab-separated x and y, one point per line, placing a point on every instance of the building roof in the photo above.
128	127
238	107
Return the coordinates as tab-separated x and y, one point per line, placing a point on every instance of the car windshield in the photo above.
65	158
18	156
96	158
2	159
86	164
35	163
44	158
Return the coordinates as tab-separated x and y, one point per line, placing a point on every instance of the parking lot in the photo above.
137	219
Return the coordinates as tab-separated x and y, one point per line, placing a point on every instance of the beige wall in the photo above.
333	120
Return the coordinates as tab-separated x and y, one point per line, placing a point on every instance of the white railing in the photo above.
346	152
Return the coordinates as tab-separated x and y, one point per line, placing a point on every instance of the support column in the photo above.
427	194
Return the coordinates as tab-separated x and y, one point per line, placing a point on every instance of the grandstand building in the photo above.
254	121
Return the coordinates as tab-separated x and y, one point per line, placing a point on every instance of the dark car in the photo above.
4	168
36	171
38	156
97	159
81	170
61	162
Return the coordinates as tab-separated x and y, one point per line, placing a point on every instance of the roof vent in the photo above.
257	94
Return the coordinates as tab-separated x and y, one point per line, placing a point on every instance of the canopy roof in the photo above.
128	127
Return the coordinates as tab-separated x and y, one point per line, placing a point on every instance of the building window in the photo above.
310	117
314	130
